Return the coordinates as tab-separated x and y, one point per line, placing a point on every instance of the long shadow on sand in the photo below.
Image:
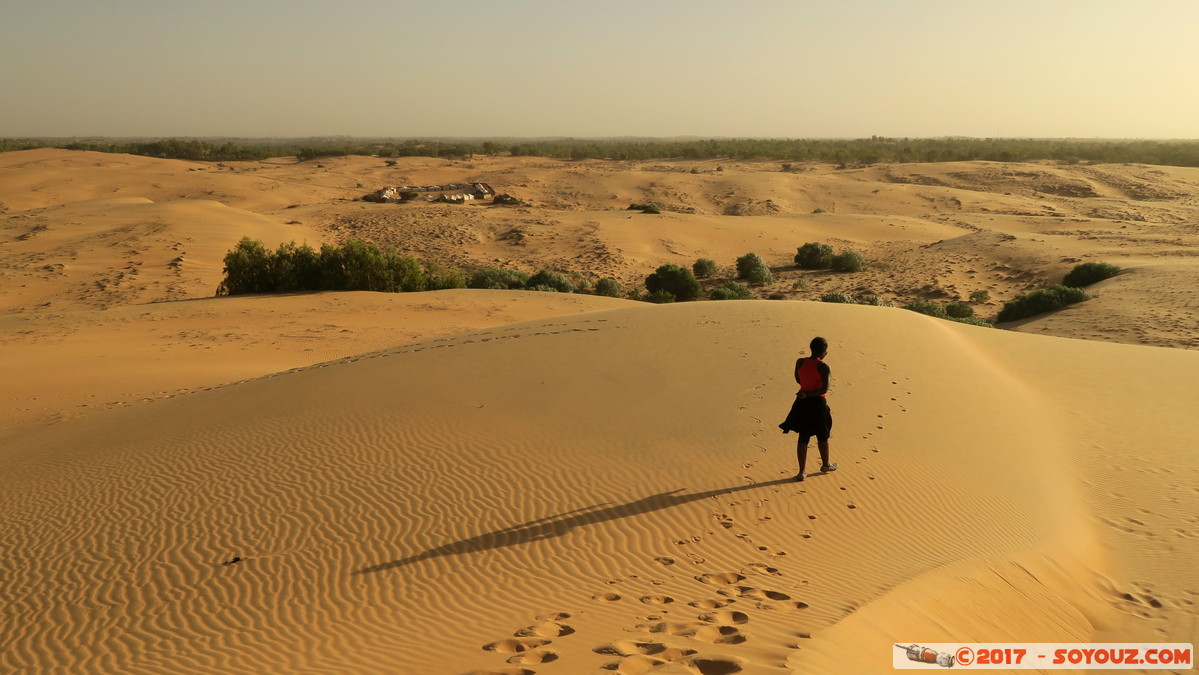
558	525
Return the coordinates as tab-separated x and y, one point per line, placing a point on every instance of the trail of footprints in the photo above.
717	620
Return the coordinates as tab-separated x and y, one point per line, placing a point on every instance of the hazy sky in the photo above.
795	68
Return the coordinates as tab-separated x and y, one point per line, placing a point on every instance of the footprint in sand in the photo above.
664	561
725	617
763	568
548	629
640	657
712	604
657	599
515	645
720	578
717	635
533	658
761	594
502	671
606	597
669	627
630	647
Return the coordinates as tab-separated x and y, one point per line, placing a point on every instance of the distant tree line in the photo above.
840	151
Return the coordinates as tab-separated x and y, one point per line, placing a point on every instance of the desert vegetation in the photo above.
357	266
753	269
843	152
816	256
704	268
679	282
731	290
1089	273
1040	301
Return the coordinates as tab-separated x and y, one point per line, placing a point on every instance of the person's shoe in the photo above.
799	477
832	466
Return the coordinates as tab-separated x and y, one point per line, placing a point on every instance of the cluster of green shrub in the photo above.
360	266
357	266
817	256
753	269
1040	301
672	283
840	151
1089	273
1055	297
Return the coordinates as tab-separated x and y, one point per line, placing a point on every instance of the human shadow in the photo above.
560	524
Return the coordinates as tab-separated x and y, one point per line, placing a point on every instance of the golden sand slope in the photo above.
60	364
610	488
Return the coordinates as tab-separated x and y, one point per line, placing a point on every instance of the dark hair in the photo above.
819	345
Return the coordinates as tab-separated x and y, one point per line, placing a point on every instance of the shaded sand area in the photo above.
509	482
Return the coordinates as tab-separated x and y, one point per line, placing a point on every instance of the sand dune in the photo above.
463	482
508	482
130	354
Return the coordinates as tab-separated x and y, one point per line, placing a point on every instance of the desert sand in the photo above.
492	482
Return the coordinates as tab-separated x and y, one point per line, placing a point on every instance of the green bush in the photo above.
980	296
607	287
541	288
973	321
837	297
679	282
496	278
753	269
294	268
247	269
704	268
849	261
814	256
438	277
874	301
959	310
1089	273
1039	302
365	267
355	266
732	290
660	297
800	285
554	280
927	307
404	274
582	283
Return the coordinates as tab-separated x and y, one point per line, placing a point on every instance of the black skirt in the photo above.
809	416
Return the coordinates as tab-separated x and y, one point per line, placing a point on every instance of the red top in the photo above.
810	374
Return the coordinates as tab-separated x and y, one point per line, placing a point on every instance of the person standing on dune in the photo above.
810	415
